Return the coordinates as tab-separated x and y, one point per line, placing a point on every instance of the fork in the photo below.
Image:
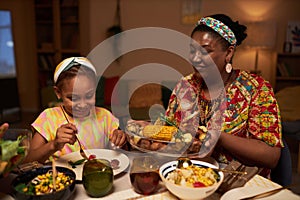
82	153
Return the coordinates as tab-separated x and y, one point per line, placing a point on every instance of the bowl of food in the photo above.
192	180
14	146
161	139
38	184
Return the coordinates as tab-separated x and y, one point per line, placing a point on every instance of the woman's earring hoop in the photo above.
228	68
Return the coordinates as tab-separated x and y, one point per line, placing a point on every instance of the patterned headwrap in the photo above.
220	28
70	62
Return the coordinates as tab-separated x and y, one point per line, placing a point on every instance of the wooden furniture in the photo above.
288	70
57	35
9	100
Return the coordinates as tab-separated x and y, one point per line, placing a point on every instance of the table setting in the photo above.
136	174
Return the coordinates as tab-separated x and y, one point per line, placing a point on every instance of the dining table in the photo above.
122	189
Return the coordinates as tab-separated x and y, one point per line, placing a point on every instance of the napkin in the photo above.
257	185
232	180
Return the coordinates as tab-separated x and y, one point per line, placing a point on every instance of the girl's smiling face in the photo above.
78	95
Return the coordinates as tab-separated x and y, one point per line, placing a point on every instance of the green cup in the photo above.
97	177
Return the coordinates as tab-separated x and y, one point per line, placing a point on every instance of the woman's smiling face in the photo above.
207	51
78	95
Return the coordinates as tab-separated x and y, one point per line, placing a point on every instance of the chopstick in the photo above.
63	110
54	173
265	194
82	153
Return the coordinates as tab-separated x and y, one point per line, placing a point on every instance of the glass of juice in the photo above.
97	177
144	176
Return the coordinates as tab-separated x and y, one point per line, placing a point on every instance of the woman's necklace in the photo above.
208	107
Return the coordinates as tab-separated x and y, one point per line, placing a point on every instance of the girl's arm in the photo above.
41	149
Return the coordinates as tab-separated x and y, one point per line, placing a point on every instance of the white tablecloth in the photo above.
122	190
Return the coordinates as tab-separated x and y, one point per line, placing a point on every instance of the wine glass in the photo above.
144	176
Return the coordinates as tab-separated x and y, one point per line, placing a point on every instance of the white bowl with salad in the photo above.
196	180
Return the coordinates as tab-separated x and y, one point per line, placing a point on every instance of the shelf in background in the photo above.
282	78
288	70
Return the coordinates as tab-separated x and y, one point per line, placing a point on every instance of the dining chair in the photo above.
282	173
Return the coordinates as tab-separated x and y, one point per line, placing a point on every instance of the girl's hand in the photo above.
118	138
65	134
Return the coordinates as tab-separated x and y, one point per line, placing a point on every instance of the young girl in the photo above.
75	84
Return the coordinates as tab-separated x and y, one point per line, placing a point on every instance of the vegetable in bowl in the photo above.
191	185
14	147
32	184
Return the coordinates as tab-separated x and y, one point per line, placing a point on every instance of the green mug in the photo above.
97	177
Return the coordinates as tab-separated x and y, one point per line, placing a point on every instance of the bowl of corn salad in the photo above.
38	184
195	181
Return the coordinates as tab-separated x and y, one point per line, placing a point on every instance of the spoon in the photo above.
185	162
82	153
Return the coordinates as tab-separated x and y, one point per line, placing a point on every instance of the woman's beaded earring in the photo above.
228	68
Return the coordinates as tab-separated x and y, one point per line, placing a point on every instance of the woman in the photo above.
250	128
54	133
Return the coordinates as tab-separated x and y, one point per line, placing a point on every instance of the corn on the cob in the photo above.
159	132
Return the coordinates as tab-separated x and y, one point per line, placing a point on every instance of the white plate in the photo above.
5	196
245	192
100	153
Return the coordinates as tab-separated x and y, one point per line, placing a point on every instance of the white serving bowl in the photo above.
184	192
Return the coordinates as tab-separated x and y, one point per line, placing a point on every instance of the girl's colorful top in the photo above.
93	131
250	111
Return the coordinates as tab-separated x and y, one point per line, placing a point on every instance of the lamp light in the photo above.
261	36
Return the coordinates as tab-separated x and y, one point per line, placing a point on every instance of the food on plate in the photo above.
114	162
202	132
77	162
193	176
157	137
43	184
159	132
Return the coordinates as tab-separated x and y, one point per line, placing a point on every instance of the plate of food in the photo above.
74	161
161	139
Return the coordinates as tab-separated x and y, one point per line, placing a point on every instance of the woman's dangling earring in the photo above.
228	68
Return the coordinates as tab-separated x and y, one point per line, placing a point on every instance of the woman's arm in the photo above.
250	151
263	145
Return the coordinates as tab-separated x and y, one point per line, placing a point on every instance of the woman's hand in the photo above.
195	146
65	134
3	128
118	138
